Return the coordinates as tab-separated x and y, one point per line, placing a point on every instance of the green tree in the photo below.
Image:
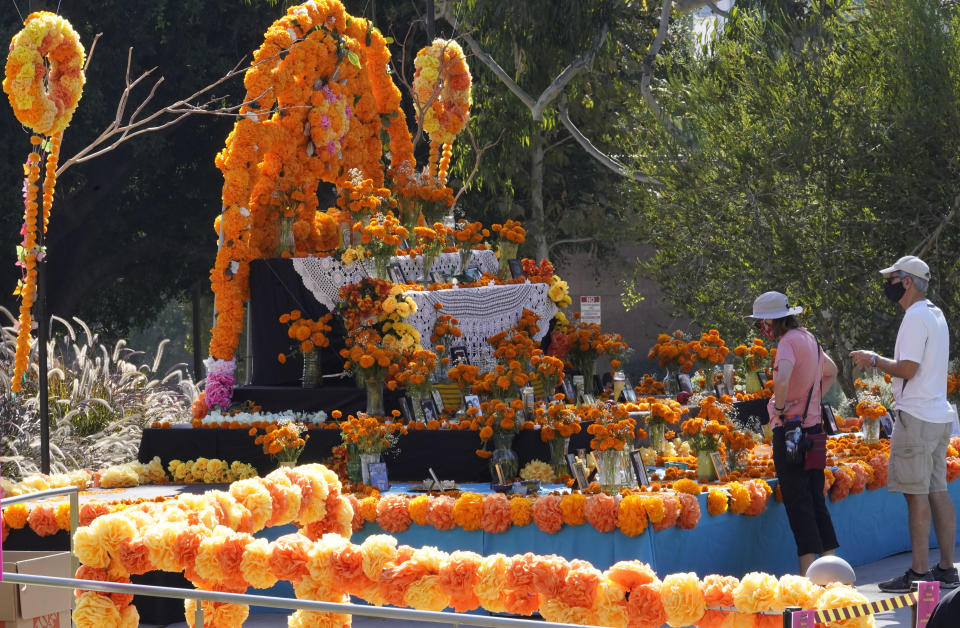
825	147
556	79
133	228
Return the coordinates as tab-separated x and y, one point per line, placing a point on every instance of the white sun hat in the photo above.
772	305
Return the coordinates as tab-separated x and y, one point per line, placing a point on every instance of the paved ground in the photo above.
867	578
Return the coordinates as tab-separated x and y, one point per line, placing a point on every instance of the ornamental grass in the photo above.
100	399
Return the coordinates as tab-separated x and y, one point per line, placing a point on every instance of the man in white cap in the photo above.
925	419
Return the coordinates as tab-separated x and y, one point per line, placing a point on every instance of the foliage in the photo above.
825	146
582	207
99	400
125	237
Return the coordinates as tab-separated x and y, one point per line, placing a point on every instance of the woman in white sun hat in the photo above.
801	372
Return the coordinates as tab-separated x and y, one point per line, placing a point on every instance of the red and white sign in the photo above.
590	309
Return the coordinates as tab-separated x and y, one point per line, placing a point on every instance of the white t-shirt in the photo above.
925	339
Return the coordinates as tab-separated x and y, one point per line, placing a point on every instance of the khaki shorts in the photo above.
918	456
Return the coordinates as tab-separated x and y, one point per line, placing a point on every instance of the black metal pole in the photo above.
42	333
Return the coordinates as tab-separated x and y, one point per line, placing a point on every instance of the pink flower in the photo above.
549	573
671	511
457	576
440	513
601	512
580	587
392	513
689	511
42	520
547	515
495	517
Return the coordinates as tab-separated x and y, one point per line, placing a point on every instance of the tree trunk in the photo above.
542	250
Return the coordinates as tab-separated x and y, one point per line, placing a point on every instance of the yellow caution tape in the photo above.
880	606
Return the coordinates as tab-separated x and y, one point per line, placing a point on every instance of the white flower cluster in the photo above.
133	474
216	417
41	482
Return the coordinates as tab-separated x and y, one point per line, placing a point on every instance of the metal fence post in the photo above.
198	615
914	589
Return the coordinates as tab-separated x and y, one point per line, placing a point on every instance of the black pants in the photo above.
803	498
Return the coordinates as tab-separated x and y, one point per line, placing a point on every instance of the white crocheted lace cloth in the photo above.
480	312
324	276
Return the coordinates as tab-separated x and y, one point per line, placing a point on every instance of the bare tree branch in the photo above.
476	164
717	10
599	155
119	130
648	64
93	47
553	92
569	241
931	239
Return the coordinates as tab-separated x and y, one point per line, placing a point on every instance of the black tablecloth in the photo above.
451	453
275	289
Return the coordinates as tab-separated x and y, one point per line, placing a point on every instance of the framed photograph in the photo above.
886	425
406	408
437	277
639	470
437	400
459	355
568	391
472	274
598	387
378	475
829	420
719	465
473	401
396	273
516	268
762	378
685	384
629	394
430	412
346	237
577	470
718	391
578	389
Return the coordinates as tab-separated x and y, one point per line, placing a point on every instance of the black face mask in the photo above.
894	291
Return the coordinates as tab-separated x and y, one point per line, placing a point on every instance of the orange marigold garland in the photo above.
44	81
441	90
44	73
318	95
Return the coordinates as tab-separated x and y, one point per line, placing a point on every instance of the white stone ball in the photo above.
829	569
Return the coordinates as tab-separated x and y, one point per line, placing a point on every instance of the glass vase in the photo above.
311	370
610	473
705	469
670	386
752	382
354	468
589	369
465	255
657	431
285	239
378	268
427	265
506	252
374	387
365	461
559	447
505	458
871	430
416	406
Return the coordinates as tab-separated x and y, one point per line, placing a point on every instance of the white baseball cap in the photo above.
772	305
910	264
